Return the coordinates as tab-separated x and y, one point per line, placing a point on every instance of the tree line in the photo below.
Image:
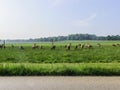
78	37
70	37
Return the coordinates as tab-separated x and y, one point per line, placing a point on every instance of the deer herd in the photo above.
67	46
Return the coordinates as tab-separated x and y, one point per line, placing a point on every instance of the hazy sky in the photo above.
42	18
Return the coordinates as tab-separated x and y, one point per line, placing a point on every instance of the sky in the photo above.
24	19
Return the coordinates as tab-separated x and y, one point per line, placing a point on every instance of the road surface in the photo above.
59	83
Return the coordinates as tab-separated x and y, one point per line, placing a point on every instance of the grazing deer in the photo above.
2	46
65	46
35	46
69	46
89	46
114	45
99	45
118	44
76	47
22	48
82	46
53	47
12	46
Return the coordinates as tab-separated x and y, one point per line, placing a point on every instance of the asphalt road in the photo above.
59	83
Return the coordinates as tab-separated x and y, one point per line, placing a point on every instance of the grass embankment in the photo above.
60	69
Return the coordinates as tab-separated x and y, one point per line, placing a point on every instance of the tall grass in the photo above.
59	69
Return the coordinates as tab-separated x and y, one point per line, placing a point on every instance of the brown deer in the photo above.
53	47
35	46
99	45
88	45
69	46
22	48
114	45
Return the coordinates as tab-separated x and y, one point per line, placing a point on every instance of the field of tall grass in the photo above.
60	69
103	60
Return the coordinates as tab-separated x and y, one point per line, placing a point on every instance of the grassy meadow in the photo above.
60	69
102	60
105	54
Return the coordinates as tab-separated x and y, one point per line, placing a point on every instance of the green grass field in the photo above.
60	69
48	62
105	54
